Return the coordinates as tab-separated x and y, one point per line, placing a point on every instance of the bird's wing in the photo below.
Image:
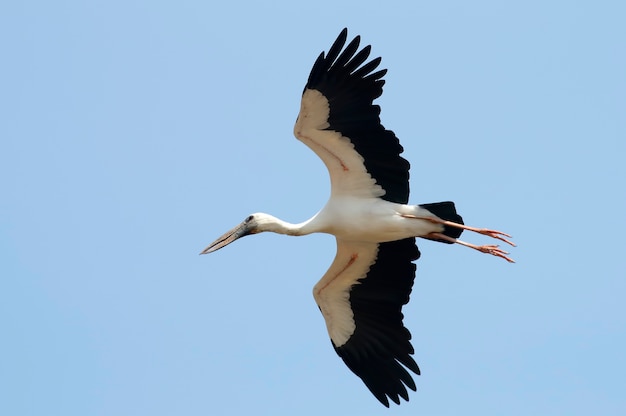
339	122
361	297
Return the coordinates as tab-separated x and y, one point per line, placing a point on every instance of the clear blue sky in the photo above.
133	133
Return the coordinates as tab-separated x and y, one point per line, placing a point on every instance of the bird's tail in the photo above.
446	211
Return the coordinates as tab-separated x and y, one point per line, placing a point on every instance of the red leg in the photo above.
499	235
489	249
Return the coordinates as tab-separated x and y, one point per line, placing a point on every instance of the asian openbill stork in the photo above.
362	294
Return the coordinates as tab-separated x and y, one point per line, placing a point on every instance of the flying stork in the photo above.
362	293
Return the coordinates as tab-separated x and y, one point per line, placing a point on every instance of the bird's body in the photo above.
362	293
373	220
364	219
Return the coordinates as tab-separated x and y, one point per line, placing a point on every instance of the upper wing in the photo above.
361	298
338	121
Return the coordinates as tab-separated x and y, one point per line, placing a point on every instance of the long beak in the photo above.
239	231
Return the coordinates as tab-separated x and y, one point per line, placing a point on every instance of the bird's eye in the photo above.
250	218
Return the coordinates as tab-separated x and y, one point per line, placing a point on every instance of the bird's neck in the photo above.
270	223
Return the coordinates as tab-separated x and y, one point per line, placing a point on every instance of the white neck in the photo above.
267	222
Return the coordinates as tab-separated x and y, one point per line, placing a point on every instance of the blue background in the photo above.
134	133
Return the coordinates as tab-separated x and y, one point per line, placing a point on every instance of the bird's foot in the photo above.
494	250
498	235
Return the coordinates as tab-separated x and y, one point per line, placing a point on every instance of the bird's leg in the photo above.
494	250
499	235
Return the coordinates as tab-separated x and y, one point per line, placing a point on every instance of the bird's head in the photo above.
254	224
247	227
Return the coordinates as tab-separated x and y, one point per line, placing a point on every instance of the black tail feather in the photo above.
446	211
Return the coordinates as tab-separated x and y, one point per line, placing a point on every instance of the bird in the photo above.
371	277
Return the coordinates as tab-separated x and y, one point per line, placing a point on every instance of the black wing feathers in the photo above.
350	91
358	59
380	345
348	53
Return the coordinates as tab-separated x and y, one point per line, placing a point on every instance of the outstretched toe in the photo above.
498	235
495	250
